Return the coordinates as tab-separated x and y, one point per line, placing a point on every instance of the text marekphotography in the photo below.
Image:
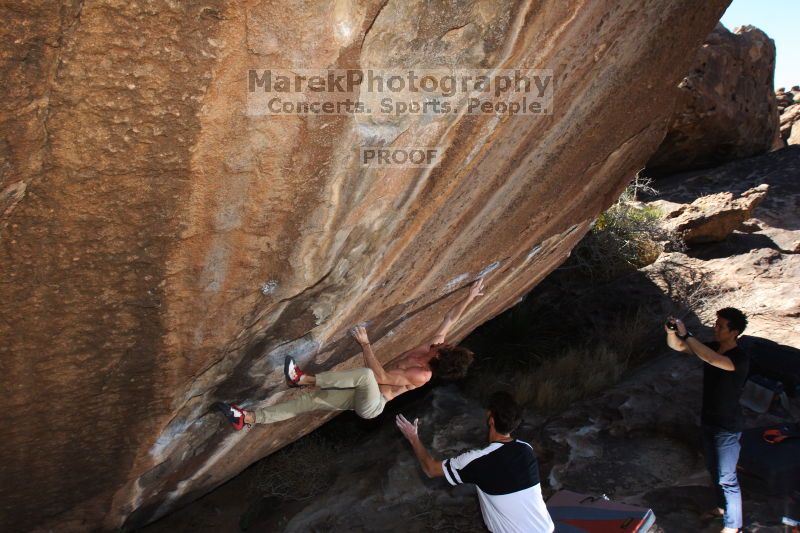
388	92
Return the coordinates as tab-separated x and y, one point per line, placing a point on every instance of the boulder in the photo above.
775	223
711	218
789	117
163	248
784	99
725	107
794	135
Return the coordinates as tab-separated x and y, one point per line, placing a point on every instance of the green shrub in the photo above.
628	236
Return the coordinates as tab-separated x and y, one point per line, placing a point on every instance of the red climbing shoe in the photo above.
292	373
232	413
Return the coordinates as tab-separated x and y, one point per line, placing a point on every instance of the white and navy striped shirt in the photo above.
507	477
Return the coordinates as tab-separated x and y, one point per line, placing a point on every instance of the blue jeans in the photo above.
722	453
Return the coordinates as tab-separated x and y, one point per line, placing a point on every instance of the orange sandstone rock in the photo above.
163	249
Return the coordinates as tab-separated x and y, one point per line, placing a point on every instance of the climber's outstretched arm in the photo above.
452	316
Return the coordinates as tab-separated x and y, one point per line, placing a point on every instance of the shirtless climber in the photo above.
366	390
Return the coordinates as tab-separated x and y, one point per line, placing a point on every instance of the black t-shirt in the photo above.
722	390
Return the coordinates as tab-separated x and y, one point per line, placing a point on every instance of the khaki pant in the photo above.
354	389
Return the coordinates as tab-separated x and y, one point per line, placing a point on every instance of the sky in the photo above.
780	19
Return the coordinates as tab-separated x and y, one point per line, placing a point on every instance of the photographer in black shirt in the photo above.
725	371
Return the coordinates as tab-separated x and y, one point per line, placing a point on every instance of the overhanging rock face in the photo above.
163	249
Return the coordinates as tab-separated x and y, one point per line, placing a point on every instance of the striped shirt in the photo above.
507	479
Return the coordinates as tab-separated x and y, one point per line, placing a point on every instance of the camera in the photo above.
671	324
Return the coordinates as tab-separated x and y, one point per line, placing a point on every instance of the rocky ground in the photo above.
637	442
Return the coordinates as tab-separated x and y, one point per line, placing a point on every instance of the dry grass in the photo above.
285	473
552	353
462	517
552	368
570	377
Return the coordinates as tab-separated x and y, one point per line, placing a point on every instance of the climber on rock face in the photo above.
366	390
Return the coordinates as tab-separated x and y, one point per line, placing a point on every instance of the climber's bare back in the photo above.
411	365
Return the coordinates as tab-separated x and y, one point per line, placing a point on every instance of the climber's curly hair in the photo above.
452	362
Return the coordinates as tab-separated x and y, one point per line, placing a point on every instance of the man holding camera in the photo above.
725	371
